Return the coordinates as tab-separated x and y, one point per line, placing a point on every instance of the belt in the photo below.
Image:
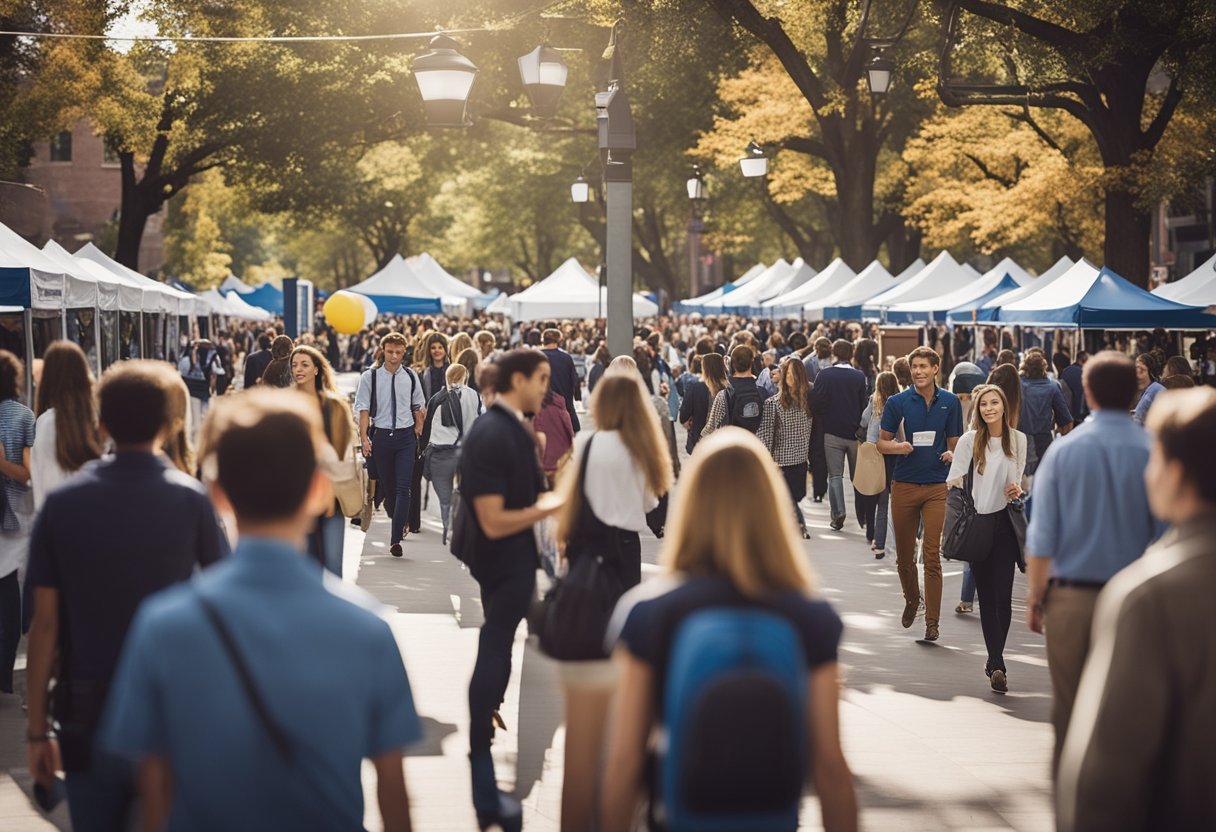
1068	583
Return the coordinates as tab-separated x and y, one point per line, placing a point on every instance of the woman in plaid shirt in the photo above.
785	429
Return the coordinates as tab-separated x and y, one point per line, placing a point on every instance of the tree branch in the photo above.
1036	27
1026	118
988	172
805	144
1156	127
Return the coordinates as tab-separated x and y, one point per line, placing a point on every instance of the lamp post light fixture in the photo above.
754	163
878	73
696	184
543	73
696	227
580	191
445	78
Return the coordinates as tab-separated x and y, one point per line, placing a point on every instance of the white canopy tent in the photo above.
989	310
835	277
751	274
935	308
241	308
570	292
846	301
942	275
1196	289
51	286
433	274
401	281
114	291
764	287
232	283
158	297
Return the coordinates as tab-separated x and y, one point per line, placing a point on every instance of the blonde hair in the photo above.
460	342
456	374
620	403
886	385
723	520
177	446
982	434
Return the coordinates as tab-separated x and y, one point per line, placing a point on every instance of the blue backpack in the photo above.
733	753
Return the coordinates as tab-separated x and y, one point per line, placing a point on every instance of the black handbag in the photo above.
968	534
572	620
463	543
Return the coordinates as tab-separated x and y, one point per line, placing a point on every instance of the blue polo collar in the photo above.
273	557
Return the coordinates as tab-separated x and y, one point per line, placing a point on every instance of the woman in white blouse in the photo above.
65	435
627	470
999	456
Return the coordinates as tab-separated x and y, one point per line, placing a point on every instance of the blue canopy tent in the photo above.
266	297
966	313
1105	301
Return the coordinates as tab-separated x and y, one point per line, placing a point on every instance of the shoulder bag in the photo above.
572	620
870	476
1019	519
968	534
345	473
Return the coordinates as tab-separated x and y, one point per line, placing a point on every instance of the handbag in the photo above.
968	535
345	474
870	475
463	543
572	620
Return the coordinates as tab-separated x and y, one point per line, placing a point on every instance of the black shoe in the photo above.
998	681
837	523
817	499
805	534
416	531
395	550
494	808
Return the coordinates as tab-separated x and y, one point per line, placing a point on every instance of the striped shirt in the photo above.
786	433
17	434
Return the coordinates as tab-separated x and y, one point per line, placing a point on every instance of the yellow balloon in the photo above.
344	312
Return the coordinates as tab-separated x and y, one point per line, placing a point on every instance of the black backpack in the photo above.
744	405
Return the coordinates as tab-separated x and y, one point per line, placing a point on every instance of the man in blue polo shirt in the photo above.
932	420
251	695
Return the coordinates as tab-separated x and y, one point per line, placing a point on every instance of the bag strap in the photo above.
278	737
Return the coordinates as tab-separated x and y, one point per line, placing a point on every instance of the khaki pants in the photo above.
910	504
1068	617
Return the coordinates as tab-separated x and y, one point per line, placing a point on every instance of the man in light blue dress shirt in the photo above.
1090	518
389	429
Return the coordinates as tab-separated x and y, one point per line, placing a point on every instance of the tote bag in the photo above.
870	476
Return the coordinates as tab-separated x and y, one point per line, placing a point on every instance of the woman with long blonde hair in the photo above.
994	453
617	475
785	429
728	555
65	433
178	446
875	511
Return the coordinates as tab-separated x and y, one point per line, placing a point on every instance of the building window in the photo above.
109	156
61	147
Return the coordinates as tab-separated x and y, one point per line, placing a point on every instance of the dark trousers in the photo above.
505	603
819	461
417	492
393	453
994	584
10	628
867	511
102	796
795	480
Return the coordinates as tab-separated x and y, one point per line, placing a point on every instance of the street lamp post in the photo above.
696	227
617	142
445	78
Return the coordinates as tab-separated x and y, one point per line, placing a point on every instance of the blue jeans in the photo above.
333	541
837	450
101	797
393	453
968	594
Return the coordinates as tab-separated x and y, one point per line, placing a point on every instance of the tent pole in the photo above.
97	337
29	356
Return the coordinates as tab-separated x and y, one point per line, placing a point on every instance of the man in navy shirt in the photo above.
564	378
252	695
932	419
838	399
146	526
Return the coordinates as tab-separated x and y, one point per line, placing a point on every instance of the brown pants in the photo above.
1068	617
910	504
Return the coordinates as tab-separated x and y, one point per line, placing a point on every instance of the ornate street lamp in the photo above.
543	73
878	72
445	78
696	184
580	191
753	163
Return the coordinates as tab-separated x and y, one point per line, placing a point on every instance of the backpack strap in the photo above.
457	410
730	405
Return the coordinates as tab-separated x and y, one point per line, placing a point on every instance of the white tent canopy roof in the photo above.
759	289
234	284
1196	289
968	292
114	291
434	275
752	273
1061	267
399	280
942	275
158	297
242	309
51	286
835	277
570	292
874	279
1066	290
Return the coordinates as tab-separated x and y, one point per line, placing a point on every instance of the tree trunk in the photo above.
903	246
855	227
1128	232
134	210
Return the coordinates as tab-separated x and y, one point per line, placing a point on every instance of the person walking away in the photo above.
1138	754
821	356
149	526
623	470
1043	405
885	386
261	745
741	403
390	406
278	371
449	416
1090	519
552	422
695	406
500	477
998	454
314	376
1149	386
257	362
1070	380
179	446
565	378
199	367
17	510
785	430
964	378
735	588
65	431
838	398
599	363
933	418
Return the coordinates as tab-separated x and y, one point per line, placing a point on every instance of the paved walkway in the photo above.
930	746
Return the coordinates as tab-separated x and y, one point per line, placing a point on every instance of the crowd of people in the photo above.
174	657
